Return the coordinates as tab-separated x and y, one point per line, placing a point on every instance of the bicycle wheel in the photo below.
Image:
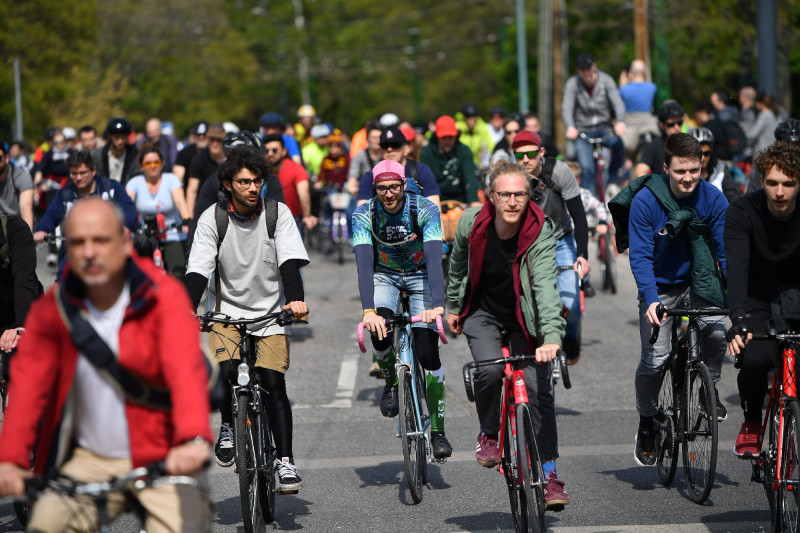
410	435
699	432
666	441
530	471
788	497
768	461
510	469
266	478
246	463
424	416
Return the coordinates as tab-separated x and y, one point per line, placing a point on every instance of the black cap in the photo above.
497	110
393	136
469	110
584	61
200	127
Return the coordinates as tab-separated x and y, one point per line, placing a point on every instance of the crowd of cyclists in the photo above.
706	205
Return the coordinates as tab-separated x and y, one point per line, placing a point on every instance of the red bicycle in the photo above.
520	463
778	464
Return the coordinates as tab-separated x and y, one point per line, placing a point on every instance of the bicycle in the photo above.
600	160
255	454
150	237
776	467
519	457
339	202
607	253
687	406
414	420
151	476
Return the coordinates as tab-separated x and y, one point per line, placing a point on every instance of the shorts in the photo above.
271	352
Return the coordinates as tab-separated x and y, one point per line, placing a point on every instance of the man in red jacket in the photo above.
67	412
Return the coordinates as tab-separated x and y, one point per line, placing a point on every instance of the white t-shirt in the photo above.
148	203
101	425
249	262
115	165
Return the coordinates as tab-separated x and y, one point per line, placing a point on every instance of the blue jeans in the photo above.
387	292
568	284
583	150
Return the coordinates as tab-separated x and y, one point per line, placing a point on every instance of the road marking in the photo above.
346	384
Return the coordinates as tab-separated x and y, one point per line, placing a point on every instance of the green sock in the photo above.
435	386
386	364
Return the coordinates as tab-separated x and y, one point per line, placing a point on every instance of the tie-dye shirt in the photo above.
407	256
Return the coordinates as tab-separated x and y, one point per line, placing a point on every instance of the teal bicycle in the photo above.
414	422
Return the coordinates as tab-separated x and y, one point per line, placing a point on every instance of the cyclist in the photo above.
117	158
307	116
503	276
71	411
451	162
16	188
670	120
397	238
762	245
591	101
293	179
787	131
197	141
255	275
205	163
715	171
556	192
273	124
675	229
474	132
367	158
315	151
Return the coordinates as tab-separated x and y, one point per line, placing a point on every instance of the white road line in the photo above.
347	382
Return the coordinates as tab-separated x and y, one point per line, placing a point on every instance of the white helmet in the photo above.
388	120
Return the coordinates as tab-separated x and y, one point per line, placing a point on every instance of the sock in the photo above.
386	360
549	466
434	380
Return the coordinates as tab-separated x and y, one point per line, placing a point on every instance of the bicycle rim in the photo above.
666	443
409	434
790	469
699	432
267	477
249	486
530	471
769	458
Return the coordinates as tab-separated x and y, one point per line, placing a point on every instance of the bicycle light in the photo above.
244	375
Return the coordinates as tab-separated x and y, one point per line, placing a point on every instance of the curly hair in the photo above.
242	156
503	168
784	156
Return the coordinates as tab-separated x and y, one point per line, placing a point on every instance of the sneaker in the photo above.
52	260
223	450
288	480
588	290
375	371
554	493
644	453
722	413
389	403
440	445
487	452
748	442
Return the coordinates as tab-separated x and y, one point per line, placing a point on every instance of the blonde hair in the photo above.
504	168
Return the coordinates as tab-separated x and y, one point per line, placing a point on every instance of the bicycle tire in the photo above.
266	478
509	468
699	436
246	468
788	497
769	458
530	471
422	398
409	434
666	442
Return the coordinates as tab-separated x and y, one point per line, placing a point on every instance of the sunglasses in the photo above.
273	150
530	155
673	124
512	132
151	164
392	146
706	153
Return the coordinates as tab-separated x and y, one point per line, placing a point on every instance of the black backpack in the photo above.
737	140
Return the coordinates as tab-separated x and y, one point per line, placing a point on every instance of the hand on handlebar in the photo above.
546	352
187	458
10	339
735	341
585	267
39	236
429	315
571	133
299	309
12	479
620	128
452	323
653	319
375	324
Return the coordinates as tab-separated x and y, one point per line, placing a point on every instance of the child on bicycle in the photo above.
503	276
397	238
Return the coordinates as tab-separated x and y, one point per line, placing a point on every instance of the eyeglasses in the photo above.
76	173
530	155
706	153
273	150
151	164
505	196
383	189
512	132
215	139
673	124
245	184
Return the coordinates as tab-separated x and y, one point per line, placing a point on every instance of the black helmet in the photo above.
788	131
272	120
119	125
670	109
232	140
469	110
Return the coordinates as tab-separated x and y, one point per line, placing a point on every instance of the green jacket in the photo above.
476	140
455	171
538	295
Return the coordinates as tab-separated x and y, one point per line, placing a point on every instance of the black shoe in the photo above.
645	447
573	350
440	445
389	403
722	413
223	450
588	290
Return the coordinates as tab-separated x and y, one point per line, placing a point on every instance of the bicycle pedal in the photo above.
286	491
556	508
439	460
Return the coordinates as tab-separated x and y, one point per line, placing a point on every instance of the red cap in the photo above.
446	127
408	133
524	138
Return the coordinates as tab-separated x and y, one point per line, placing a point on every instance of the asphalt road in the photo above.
351	462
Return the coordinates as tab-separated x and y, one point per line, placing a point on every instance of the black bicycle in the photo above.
687	405
254	449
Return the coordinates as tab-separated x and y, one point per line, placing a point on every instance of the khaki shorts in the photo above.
272	352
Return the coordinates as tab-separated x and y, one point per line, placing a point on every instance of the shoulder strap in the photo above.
413	210
5	250
412	173
221	217
271	216
89	343
547	171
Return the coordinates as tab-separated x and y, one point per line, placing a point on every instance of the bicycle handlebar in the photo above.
662	311
561	359
400	320
609	133
283	318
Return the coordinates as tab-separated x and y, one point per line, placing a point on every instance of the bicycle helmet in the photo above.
232	140
271	120
69	133
306	111
119	125
320	130
788	131
670	109
230	127
388	120
703	135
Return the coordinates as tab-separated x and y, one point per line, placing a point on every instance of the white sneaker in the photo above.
52	260
288	480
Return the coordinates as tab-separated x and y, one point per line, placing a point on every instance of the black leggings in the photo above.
757	358
425	340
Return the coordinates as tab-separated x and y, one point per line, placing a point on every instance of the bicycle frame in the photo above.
513	388
405	357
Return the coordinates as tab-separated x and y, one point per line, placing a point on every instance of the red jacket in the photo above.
159	341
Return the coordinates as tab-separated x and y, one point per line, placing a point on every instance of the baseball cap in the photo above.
320	130
388	120
526	138
271	120
388	170
446	127
216	131
200	127
497	110
469	110
409	133
584	61
393	136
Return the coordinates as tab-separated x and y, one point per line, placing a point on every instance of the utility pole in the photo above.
544	106
19	133
661	67
767	28
414	33
522	59
641	34
302	58
560	66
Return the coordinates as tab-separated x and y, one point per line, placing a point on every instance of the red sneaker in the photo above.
487	452
554	493
748	442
